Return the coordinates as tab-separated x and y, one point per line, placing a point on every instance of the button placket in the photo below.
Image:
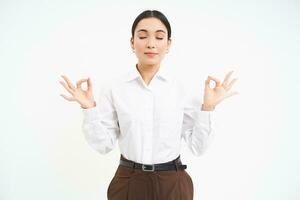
149	131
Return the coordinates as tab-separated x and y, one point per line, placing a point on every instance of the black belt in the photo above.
172	165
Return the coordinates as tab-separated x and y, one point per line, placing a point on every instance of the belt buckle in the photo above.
144	168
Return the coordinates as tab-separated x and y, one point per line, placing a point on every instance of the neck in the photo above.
147	71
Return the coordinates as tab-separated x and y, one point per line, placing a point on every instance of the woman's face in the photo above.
150	41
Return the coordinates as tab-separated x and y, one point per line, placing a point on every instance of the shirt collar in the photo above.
134	73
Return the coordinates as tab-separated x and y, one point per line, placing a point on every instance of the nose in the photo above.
150	43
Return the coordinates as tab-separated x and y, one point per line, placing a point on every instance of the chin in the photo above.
150	62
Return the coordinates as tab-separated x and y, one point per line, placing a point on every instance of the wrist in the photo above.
89	106
207	107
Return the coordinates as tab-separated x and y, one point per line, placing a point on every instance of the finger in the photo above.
231	83
227	78
78	84
207	83
231	94
217	81
67	98
89	84
66	86
68	82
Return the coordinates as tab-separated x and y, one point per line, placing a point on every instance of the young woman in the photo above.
148	113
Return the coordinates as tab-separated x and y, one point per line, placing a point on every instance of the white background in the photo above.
254	155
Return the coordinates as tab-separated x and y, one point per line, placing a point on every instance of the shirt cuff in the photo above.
90	114
203	116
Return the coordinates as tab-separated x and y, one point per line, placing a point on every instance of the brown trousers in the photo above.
135	184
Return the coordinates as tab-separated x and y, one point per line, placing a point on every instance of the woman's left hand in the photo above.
213	96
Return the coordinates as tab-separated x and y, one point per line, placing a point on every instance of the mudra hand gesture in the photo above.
213	96
84	98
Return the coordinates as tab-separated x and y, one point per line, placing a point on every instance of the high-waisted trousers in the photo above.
136	184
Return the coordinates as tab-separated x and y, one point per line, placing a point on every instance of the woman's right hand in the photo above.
84	98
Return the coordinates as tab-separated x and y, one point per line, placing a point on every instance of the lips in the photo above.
151	54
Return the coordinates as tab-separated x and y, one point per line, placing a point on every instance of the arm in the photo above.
100	124
197	128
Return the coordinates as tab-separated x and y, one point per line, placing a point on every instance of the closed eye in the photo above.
156	38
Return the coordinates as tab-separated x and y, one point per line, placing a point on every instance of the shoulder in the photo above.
180	85
113	84
190	90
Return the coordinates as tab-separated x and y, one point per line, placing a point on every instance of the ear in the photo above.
131	43
169	43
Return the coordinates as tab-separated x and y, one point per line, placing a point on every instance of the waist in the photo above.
175	164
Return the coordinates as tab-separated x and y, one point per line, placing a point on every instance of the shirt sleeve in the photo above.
100	124
198	127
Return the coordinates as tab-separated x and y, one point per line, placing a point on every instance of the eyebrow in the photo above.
144	30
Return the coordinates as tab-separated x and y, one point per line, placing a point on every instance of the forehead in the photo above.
151	25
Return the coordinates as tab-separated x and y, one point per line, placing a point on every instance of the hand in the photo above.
213	96
84	98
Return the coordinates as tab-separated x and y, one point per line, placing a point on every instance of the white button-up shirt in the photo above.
148	121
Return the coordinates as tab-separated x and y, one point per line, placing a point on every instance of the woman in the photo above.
148	113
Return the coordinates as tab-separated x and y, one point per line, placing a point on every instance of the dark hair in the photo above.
152	13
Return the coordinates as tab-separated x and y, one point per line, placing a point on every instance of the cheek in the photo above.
162	48
162	45
140	46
